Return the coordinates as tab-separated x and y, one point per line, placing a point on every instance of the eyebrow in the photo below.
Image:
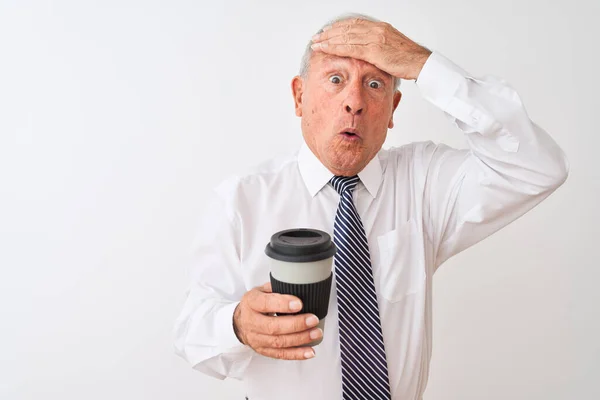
332	58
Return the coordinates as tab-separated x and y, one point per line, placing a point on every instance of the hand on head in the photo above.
377	43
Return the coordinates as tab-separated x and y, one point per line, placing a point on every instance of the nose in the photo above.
354	103
353	111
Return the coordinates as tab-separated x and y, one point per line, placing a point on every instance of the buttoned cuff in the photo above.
440	79
446	85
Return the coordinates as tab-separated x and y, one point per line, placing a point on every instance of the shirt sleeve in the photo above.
204	333
511	164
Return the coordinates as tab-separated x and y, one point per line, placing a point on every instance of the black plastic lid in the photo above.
300	245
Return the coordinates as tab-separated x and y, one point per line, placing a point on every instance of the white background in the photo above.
116	117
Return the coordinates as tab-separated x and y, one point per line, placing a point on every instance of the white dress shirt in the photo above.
420	204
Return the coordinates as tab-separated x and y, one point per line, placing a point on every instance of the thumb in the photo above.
267	288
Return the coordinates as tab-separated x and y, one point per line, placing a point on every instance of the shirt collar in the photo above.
316	175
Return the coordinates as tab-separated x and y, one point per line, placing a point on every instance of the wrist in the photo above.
236	316
419	61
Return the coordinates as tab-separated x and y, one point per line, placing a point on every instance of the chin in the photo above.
347	160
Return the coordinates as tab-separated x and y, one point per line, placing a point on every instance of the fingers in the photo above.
284	324
300	353
344	31
360	51
341	31
276	336
264	302
351	23
351	38
355	43
260	340
354	38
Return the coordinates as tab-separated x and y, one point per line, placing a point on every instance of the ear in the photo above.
297	90
397	97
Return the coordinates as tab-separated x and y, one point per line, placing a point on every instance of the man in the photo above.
396	215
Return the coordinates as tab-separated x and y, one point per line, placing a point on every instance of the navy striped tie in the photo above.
364	366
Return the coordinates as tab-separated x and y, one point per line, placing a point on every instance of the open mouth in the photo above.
350	133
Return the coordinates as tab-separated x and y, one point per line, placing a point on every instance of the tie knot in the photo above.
344	184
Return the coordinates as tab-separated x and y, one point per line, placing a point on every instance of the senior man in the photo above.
396	215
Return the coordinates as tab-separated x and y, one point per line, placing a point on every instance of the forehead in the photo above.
321	61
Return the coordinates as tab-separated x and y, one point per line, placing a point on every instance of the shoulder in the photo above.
259	176
419	158
421	151
415	152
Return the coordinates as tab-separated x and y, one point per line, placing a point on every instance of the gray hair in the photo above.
305	63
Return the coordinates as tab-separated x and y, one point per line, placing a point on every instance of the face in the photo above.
346	106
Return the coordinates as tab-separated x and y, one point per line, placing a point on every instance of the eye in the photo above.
335	79
374	84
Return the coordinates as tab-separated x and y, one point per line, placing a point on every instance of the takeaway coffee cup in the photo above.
301	262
